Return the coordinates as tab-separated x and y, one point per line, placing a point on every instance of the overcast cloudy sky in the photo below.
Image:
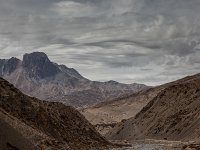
145	41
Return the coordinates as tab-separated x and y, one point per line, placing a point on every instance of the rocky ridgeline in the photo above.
37	76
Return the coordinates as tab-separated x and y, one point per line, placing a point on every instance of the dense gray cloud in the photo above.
146	41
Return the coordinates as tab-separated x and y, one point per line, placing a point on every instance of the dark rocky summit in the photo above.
39	66
37	76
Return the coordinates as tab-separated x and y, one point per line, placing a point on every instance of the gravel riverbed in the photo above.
143	147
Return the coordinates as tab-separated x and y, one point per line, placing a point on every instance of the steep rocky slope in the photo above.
106	115
37	76
29	123
173	114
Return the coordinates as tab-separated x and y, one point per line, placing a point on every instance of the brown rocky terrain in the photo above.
37	76
119	109
106	115
29	123
172	115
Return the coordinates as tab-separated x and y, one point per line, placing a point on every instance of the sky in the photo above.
130	41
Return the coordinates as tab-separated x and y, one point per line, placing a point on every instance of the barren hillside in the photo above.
173	114
43	125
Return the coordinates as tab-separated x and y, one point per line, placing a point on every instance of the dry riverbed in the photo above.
150	144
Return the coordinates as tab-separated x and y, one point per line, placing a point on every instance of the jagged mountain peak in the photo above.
35	59
7	66
14	59
33	55
38	65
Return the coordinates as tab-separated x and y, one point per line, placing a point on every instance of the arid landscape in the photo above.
99	75
161	117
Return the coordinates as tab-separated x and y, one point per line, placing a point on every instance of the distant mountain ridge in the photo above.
37	76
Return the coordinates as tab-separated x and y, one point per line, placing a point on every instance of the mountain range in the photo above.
37	76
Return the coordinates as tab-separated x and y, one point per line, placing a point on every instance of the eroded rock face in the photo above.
46	124
37	76
39	66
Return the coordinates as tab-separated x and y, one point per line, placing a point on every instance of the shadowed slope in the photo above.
11	139
46	124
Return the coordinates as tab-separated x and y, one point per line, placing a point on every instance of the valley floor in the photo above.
143	147
151	144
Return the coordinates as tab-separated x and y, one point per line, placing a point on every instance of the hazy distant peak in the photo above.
7	66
